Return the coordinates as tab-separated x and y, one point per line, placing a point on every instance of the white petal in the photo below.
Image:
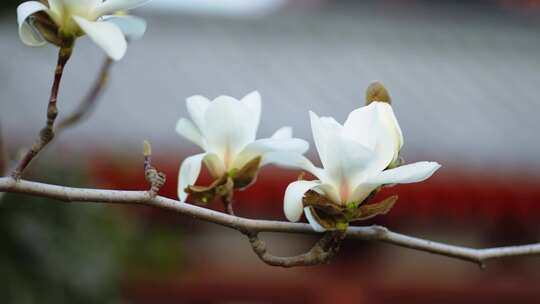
214	165
294	194
390	119
186	128
283	133
28	34
197	106
361	123
106	35
112	6
56	6
293	160
261	147
132	27
227	128
189	172
312	221
411	173
253	102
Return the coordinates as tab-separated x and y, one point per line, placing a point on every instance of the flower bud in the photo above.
377	92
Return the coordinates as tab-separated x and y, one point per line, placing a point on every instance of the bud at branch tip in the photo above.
147	149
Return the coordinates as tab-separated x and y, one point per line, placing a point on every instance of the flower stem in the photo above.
228	205
47	133
89	101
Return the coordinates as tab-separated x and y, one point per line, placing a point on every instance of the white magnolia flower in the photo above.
355	157
69	19
225	129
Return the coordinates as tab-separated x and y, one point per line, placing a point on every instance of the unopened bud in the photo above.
147	149
377	92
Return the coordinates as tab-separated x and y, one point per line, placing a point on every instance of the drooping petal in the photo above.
111	6
264	146
186	128
283	133
197	106
28	34
293	160
106	35
293	205
312	221
189	172
132	27
411	173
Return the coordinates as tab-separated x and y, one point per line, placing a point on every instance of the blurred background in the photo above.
464	77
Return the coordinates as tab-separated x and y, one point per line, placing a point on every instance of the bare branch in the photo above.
155	178
47	133
371	233
90	100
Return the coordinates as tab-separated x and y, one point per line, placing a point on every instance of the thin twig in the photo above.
371	233
155	178
90	100
47	133
228	204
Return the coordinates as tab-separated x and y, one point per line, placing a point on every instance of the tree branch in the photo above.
47	133
90	100
371	233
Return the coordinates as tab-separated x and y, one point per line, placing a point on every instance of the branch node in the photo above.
155	178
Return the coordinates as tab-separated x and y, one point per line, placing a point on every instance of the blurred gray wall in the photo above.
465	81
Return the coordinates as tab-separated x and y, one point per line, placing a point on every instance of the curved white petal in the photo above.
294	194
293	160
56	6
386	148
186	129
361	192
214	164
283	133
28	34
111	6
227	128
346	163
253	102
411	173
132	27
189	172
387	114
361	124
197	106
312	221
264	146
106	35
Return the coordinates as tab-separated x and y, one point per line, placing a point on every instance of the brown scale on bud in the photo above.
377	92
224	186
333	216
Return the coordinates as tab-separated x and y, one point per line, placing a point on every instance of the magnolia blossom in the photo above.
225	129
69	19
356	157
